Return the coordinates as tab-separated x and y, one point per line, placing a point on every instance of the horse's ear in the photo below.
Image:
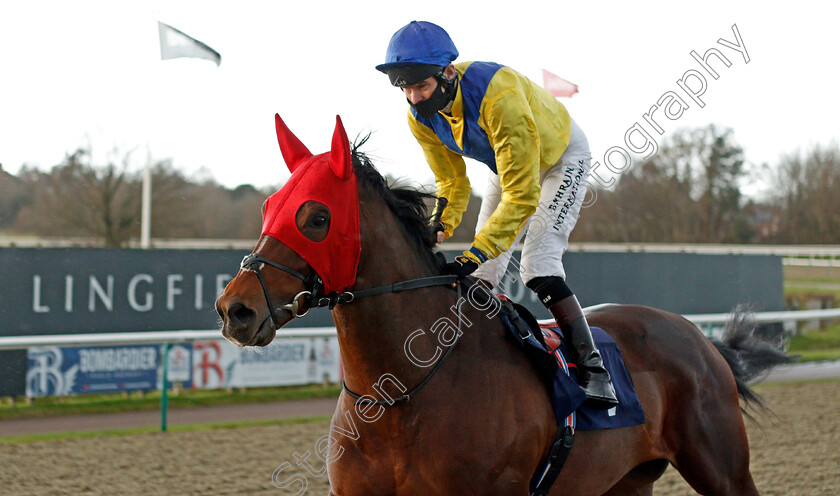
294	152
340	152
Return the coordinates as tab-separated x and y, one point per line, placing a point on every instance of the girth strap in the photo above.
556	459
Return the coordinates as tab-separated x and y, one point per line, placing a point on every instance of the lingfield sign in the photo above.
69	291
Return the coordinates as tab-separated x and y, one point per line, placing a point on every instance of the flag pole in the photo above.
183	46
146	207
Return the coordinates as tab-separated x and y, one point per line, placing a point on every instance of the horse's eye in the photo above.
319	221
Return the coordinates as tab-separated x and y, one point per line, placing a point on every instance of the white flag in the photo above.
174	44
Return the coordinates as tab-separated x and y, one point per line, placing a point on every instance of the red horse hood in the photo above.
327	178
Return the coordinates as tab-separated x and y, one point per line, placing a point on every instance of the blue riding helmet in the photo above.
421	49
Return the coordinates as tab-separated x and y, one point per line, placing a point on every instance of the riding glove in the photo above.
461	267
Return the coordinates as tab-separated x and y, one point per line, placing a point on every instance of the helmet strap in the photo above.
450	86
441	99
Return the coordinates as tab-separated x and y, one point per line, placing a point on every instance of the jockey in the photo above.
540	159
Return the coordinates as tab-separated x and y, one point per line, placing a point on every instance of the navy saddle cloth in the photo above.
567	397
566	390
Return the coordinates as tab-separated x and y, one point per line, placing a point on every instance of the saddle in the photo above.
544	346
543	343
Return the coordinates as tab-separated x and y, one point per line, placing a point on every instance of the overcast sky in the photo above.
88	74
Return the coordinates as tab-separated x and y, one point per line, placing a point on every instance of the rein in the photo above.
363	399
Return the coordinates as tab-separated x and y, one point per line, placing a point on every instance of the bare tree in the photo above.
687	192
14	195
79	198
709	160
807	199
218	212
650	204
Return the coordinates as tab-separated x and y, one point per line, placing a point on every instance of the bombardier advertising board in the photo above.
54	371
213	364
81	291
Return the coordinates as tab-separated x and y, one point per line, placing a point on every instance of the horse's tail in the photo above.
749	355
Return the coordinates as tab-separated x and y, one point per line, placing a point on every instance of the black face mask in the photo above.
443	94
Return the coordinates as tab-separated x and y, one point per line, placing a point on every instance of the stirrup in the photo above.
599	394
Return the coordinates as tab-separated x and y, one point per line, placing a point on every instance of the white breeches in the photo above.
546	233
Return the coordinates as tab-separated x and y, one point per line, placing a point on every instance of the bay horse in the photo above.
450	405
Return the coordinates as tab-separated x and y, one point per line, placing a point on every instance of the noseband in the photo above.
255	262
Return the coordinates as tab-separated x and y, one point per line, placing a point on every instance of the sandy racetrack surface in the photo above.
797	455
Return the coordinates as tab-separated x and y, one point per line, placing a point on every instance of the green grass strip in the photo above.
817	345
782	384
117	402
58	436
829	355
792	290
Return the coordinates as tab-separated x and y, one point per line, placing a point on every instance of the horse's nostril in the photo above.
240	314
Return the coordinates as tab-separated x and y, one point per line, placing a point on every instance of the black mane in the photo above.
407	203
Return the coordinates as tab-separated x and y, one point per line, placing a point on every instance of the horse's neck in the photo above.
373	331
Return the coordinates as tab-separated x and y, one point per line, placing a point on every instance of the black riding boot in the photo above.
595	380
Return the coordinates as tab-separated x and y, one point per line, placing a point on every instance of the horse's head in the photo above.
310	241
